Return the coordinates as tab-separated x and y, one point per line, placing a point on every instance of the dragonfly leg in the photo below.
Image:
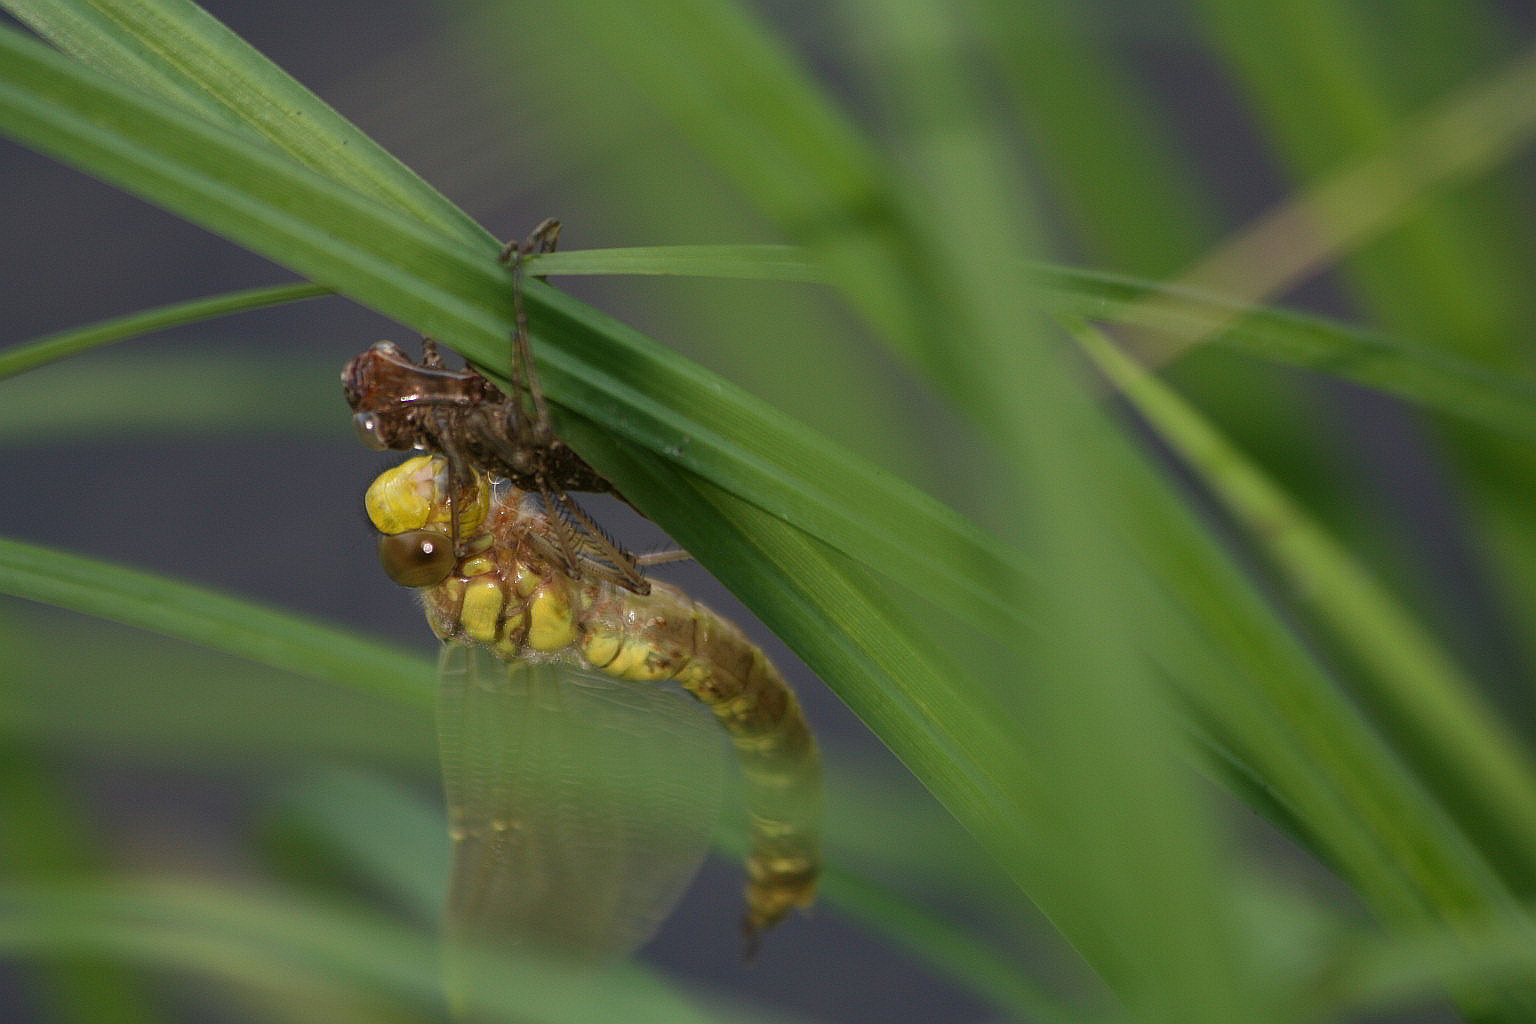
663	557
525	377
543	238
459	475
614	562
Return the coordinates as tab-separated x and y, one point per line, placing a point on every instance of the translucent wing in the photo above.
580	805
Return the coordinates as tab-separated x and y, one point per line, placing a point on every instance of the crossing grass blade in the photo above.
1427	377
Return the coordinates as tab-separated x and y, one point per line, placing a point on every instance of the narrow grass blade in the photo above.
847	626
964	956
391	834
1432	712
199	616
746	262
286	946
1377	976
48	835
177	51
203	393
1129	194
1154	917
1324	85
29	355
1427	377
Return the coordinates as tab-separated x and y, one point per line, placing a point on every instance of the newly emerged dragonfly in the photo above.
509	598
554	643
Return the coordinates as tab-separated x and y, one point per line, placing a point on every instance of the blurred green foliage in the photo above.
1116	559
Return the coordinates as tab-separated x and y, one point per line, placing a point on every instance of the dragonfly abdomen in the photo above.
667	636
508	594
670	636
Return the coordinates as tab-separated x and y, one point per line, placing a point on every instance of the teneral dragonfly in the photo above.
509	595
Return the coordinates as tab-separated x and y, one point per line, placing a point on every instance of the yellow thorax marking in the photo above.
480	613
551	626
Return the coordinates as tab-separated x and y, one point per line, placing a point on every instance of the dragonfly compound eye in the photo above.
417	558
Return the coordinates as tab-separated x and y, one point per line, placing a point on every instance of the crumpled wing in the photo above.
580	805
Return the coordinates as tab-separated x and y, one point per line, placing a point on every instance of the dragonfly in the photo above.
554	641
401	404
509	600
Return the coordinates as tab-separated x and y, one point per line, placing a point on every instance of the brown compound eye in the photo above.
417	558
